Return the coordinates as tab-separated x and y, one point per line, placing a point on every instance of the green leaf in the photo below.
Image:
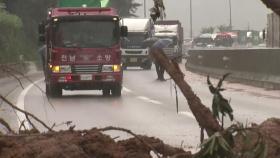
224	144
222	80
211	86
265	151
213	144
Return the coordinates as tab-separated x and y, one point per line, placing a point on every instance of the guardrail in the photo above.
260	67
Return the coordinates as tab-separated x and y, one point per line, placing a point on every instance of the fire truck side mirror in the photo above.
264	34
41	28
41	31
124	31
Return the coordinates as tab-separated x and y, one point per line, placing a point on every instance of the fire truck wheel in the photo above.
117	90
106	92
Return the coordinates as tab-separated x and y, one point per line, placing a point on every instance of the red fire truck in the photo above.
82	50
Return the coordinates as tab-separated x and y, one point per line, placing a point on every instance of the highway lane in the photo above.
147	106
11	88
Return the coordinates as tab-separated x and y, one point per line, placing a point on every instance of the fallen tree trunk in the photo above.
273	4
202	114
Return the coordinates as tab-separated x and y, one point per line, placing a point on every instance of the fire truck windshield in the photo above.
85	34
134	41
174	40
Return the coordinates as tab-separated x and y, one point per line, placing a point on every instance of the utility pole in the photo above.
145	10
230	15
191	25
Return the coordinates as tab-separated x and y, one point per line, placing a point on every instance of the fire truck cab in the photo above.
82	50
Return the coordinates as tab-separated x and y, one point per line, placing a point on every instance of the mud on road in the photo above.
94	143
81	144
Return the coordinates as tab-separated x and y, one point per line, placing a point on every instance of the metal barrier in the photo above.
259	65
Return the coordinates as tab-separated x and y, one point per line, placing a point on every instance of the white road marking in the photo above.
188	114
155	102
149	100
127	90
143	98
21	100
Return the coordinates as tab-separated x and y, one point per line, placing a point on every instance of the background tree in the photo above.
158	10
224	28
12	43
207	30
126	8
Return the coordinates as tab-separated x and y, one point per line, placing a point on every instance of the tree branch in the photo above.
6	125
202	114
25	112
133	134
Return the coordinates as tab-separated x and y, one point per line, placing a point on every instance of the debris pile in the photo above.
82	144
269	131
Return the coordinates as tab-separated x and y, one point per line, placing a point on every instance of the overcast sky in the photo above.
245	13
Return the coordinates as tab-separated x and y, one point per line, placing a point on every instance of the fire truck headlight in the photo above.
62	69
111	68
117	68
55	69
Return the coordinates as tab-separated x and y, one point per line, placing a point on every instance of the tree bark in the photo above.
202	114
273	4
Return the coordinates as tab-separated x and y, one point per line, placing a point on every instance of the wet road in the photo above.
11	89
148	107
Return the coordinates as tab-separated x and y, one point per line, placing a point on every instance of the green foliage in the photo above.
221	145
158	11
219	103
215	147
31	12
126	8
253	141
9	22
226	143
11	38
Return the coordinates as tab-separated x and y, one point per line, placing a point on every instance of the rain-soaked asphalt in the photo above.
148	107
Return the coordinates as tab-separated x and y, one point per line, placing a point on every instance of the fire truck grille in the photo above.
80	69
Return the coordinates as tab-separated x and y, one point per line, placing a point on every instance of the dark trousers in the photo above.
160	71
159	68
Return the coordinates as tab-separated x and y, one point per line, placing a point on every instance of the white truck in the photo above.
173	30
134	51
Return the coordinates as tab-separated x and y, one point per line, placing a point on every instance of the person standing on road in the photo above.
157	47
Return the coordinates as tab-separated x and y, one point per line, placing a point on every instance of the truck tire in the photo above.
48	93
105	92
53	91
117	90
